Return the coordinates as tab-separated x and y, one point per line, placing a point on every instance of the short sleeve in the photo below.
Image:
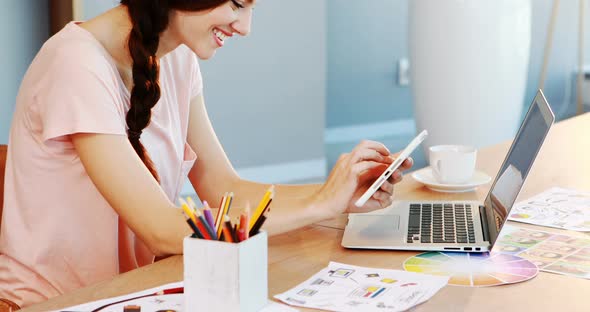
79	96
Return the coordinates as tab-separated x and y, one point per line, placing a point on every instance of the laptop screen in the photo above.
517	164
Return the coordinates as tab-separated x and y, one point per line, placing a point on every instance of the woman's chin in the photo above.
205	55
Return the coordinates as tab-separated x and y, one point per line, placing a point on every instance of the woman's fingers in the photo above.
385	199
362	154
407	164
387	187
373	145
396	177
360	168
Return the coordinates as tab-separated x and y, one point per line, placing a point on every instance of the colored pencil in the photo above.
203	221
244	222
192	225
219	217
227	235
188	211
258	224
234	231
224	211
262	206
208	214
191	203
228	204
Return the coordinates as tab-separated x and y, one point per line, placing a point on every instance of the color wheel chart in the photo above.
473	269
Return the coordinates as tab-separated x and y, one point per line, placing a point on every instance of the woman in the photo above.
108	118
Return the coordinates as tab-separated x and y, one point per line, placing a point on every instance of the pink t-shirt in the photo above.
58	232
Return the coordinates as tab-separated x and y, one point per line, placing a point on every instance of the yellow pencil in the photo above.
191	203
219	217
224	211
230	198
261	206
188	212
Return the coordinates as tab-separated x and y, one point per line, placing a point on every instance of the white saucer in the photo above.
426	177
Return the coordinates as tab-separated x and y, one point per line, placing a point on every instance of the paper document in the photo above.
556	253
343	287
171	302
556	207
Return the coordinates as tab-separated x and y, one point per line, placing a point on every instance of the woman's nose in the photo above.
243	23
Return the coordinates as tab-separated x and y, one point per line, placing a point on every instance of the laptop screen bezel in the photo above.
549	117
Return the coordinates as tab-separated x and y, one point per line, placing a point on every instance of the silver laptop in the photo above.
467	226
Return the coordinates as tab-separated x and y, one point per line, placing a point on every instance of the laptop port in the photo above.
452	248
477	248
467	248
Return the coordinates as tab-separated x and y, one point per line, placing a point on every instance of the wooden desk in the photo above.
563	161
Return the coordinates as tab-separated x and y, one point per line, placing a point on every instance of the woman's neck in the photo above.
112	30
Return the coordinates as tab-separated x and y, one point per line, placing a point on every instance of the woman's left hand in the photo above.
383	197
353	174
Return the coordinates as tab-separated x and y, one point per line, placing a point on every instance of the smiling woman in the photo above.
107	122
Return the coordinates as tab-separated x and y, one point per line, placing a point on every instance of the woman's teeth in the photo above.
220	35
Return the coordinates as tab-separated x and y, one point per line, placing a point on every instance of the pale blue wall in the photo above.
266	93
24	25
366	38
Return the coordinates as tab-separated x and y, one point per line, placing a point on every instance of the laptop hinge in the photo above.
484	223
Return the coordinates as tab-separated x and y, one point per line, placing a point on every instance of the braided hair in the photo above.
149	19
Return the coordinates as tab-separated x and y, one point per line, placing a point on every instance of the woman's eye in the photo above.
237	5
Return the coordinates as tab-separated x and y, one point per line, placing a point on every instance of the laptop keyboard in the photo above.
440	223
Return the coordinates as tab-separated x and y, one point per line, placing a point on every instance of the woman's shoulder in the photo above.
74	48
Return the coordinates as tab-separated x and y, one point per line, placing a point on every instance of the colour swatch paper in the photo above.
473	269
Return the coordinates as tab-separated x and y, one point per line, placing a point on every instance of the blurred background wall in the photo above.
314	78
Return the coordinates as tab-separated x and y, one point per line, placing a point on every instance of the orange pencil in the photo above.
244	223
227	235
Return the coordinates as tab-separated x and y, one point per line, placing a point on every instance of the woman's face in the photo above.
206	31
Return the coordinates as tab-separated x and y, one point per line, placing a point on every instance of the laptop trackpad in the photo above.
376	226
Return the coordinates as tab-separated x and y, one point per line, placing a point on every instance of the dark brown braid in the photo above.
149	19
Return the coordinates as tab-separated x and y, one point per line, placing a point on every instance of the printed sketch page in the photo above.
342	287
557	207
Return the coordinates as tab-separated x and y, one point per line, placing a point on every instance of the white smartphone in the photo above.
387	173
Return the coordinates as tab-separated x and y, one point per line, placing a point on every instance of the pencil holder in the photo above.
222	276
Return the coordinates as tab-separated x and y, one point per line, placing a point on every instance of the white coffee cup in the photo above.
452	164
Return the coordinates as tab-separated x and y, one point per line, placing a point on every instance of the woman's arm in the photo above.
213	175
127	185
293	206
